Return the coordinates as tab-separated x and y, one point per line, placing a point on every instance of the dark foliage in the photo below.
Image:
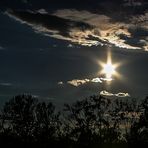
91	123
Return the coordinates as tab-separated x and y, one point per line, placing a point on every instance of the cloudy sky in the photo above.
53	48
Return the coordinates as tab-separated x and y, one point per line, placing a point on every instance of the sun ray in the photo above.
109	69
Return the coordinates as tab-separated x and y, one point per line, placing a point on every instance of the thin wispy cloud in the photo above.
2	48
5	84
42	11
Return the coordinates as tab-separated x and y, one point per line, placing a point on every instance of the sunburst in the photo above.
109	69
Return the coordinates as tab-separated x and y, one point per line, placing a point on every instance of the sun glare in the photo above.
109	69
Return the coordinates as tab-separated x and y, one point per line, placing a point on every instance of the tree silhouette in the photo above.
47	123
30	121
139	129
90	123
20	113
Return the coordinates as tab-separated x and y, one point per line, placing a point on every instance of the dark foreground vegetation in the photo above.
96	122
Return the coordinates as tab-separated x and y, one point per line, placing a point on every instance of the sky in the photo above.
52	49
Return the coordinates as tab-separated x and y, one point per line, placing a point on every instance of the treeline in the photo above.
95	122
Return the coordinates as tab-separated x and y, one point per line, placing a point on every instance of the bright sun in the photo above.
108	70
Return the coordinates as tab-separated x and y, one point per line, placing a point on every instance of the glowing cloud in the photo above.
120	94
77	83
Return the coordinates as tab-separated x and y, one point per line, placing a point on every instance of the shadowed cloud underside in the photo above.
91	28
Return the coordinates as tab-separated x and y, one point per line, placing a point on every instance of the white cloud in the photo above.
106	79
42	11
96	80
105	93
60	83
70	46
77	82
120	94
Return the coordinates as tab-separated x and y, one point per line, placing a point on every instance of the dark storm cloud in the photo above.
51	3
138	37
50	22
54	26
83	4
106	22
86	22
120	28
